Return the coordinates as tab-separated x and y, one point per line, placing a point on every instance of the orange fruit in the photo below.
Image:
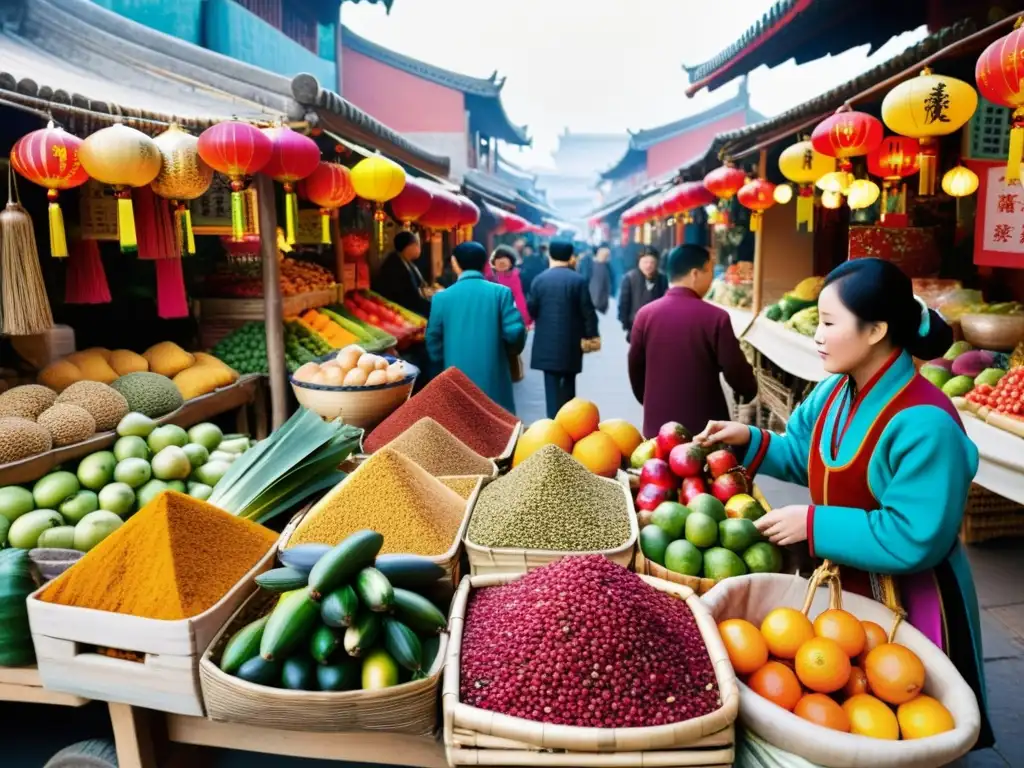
822	665
747	649
857	684
626	436
821	710
843	627
922	717
578	418
539	434
874	636
785	630
871	717
778	684
598	453
895	673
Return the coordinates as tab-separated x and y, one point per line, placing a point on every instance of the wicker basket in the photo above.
487	560
474	736
364	407
990	516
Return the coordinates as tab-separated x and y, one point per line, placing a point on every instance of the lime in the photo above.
763	557
682	557
701	530
737	534
721	563
670	516
653	541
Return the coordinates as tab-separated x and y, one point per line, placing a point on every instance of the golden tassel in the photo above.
325	226
929	162
291	212
1016	146
755	221
190	237
179	228
805	208
237	213
58	239
126	221
885	201
378	219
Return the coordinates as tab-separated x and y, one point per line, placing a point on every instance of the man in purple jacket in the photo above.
680	345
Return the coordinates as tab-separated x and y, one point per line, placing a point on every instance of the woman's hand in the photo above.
727	432
784	526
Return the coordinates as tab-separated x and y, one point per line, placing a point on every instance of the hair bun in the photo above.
925	325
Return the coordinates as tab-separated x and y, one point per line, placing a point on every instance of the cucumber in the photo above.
374	590
338	608
430	647
282	579
242	646
299	674
260	671
289	625
343	562
362	634
403	645
338	677
409	571
418	613
324	642
303	557
379	670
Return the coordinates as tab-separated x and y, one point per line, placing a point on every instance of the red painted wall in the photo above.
403	102
668	155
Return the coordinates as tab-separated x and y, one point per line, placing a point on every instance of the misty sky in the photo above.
597	65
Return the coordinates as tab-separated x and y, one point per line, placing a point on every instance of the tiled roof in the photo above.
386	3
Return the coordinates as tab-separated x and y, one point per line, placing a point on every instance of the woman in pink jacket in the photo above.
504	272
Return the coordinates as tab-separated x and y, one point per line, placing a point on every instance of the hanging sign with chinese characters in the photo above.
999	223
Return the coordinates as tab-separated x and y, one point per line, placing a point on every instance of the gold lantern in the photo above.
801	164
183	176
927	107
378	179
123	158
831	199
783	193
862	193
960	182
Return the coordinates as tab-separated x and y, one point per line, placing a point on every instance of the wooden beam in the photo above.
762	167
274	321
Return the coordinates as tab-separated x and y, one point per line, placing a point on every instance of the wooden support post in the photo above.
762	167
133	736
273	320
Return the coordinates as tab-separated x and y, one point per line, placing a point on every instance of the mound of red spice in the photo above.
479	396
467	415
584	642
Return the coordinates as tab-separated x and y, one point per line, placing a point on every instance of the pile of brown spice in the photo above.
173	559
391	494
440	452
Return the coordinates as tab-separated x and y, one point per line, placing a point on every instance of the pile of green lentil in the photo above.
440	452
551	502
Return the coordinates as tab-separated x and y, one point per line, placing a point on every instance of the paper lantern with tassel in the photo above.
378	180
293	157
25	305
86	281
895	159
801	164
469	215
183	176
960	182
925	108
412	202
862	194
842	136
757	195
123	158
237	150
725	181
443	212
49	157
998	76
329	187
783	194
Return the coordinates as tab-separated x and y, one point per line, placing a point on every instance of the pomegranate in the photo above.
721	462
687	460
669	436
650	496
658	472
728	485
692	487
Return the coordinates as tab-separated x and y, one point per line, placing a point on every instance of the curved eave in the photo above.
488	117
634	161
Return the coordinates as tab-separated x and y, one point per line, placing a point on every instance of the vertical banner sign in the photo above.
999	224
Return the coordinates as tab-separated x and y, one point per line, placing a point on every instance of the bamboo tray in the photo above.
488	560
474	736
408	708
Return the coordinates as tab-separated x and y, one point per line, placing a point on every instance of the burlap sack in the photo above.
752	597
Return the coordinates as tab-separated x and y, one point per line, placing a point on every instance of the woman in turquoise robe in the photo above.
886	459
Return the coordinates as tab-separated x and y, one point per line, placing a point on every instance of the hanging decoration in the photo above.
49	158
156	227
171	300
469	215
725	181
412	202
86	280
237	150
330	188
960	182
844	135
122	158
26	307
783	194
443	212
998	77
293	156
831	200
757	195
924	108
861	194
801	164
183	176
895	159
379	180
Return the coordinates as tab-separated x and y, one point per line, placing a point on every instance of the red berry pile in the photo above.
584	642
1007	396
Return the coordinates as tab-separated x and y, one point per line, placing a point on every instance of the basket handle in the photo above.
828	574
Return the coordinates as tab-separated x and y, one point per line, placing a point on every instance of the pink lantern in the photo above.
412	202
293	157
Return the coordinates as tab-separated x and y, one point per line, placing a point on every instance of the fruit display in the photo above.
804	296
385	315
78	506
601	446
353	366
736	286
345	620
245	349
16	584
804	322
322	324
367	335
963	368
244	279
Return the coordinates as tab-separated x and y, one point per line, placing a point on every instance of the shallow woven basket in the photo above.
406	708
474	736
364	407
484	560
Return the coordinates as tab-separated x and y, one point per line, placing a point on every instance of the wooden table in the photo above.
22	684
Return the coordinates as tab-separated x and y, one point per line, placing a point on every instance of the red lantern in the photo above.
49	157
896	158
443	212
412	202
725	181
293	156
355	245
845	135
469	215
758	196
329	187
237	150
1000	80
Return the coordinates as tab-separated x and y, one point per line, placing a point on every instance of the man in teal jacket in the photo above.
475	326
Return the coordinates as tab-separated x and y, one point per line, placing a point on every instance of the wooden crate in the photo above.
255	309
990	516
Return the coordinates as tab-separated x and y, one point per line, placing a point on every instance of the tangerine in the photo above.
785	630
745	645
857	684
874	637
626	436
895	673
778	684
578	418
923	716
843	627
598	453
821	710
871	717
539	434
822	665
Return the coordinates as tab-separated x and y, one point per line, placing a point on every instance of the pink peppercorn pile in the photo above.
584	642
